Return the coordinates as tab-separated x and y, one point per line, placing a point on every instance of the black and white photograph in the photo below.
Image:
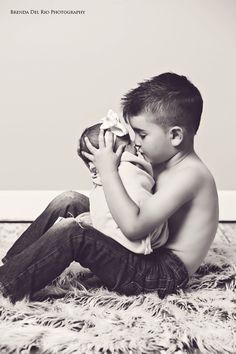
118	178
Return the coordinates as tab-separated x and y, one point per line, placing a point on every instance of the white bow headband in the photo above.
114	124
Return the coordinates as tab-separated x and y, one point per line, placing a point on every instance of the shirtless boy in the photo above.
164	113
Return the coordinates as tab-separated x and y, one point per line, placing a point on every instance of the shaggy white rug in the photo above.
202	319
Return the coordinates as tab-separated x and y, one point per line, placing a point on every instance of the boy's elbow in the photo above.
132	233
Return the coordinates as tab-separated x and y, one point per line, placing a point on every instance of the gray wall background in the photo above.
60	73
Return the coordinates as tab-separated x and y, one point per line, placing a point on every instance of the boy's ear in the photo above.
176	135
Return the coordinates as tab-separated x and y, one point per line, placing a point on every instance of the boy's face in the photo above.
153	141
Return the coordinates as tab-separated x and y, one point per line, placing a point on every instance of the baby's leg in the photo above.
64	205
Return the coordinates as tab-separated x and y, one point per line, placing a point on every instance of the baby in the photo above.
137	176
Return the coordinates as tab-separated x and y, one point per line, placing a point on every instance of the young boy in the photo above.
164	113
137	177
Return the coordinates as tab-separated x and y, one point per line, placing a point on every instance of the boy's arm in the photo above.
136	222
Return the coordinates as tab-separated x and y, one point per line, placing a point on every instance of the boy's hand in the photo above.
104	158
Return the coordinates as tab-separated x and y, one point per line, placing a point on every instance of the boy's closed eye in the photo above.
142	135
140	132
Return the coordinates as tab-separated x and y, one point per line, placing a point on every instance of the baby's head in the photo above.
170	99
92	133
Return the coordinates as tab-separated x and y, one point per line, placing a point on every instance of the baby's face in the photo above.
131	148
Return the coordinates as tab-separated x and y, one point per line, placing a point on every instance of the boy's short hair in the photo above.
92	133
171	98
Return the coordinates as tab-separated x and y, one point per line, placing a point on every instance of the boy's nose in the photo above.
137	141
137	147
137	144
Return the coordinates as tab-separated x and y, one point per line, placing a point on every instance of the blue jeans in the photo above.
45	249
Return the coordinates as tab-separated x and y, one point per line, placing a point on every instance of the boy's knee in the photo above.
68	197
66	227
67	234
67	224
71	201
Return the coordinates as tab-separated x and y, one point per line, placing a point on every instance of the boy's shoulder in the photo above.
190	174
196	170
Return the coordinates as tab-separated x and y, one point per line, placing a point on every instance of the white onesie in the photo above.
137	177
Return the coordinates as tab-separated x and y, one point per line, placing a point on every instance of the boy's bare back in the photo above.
192	227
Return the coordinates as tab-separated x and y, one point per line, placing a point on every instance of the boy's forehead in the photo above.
142	121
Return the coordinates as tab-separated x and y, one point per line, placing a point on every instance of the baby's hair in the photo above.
92	133
171	98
